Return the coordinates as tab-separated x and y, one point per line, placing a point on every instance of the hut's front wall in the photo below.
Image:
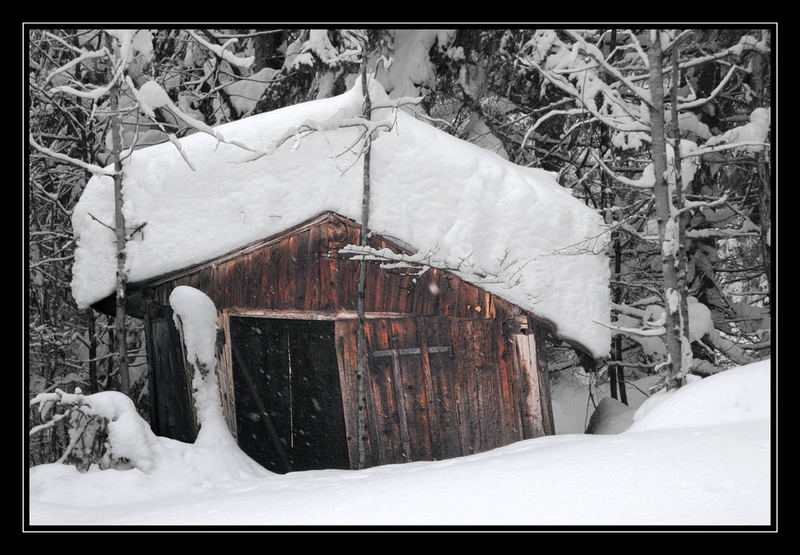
303	271
444	377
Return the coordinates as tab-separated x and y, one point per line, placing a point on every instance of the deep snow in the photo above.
697	456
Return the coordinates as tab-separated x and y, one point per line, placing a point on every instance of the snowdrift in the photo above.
698	456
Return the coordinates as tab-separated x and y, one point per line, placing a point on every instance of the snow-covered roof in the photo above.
511	230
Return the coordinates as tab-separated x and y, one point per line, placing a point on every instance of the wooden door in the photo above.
287	394
171	406
437	388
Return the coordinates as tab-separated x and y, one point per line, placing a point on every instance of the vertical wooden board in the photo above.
414	389
298	266
270	269
449	291
545	398
260	267
175	408
466	387
381	387
293	272
313	284
347	276
284	274
443	369
328	290
225	373
511	422
489	398
485	303
467	300
524	354
238	276
345	339
420	301
430	402
376	288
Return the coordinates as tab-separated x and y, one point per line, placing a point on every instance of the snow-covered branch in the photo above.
613	122
693	205
223	52
595	53
714	93
747	42
638	183
635	331
86	55
95	170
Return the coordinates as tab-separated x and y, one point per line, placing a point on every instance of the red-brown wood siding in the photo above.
303	271
471	386
437	388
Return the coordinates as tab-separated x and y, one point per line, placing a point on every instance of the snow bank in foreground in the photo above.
714	470
439	194
737	395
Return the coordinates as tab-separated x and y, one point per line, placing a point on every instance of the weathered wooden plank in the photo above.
511	422
385	425
430	404
465	388
284	276
412	388
225	372
488	395
442	370
545	399
314	243
525	353
289	294
345	340
467	301
175	412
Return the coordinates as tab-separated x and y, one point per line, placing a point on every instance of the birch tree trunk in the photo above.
679	218
667	225
121	334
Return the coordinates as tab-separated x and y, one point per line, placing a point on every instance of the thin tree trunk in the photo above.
362	280
620	370
93	386
667	231
680	220
616	373
119	228
765	205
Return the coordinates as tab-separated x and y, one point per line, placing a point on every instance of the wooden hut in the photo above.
452	369
456	362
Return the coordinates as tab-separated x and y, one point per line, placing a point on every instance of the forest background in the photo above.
578	102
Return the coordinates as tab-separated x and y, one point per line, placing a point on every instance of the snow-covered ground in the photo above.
697	456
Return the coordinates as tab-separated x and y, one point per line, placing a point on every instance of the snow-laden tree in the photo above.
672	288
577	102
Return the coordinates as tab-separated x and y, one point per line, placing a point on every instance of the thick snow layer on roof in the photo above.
534	244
